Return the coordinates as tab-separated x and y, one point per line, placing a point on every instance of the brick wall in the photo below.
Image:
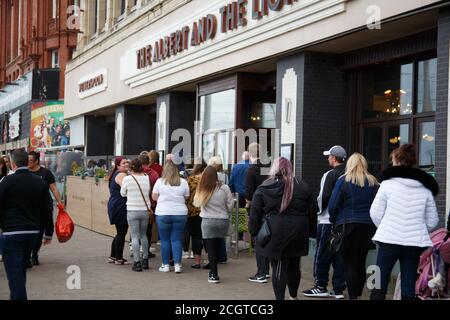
442	106
321	112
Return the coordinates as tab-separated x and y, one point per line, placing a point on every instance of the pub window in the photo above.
395	103
426	86
122	6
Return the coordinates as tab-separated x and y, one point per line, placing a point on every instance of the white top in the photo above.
172	199
404	212
130	190
323	215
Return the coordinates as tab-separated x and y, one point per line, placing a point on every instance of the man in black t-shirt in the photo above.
47	176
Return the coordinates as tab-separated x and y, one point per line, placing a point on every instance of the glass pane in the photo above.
217	110
372	148
387	91
208	146
427	146
261	115
397	135
426	86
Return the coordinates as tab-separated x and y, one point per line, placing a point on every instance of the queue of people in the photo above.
394	213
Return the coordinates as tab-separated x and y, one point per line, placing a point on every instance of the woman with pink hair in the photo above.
290	209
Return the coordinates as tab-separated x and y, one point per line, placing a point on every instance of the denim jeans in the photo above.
323	260
409	257
171	232
138	222
16	252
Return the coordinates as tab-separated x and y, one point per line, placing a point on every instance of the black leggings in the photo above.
355	271
149	234
286	272
195	227
119	241
213	248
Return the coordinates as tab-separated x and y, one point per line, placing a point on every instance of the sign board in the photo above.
14	124
93	83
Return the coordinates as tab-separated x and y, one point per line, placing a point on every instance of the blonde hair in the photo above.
206	187
171	175
217	163
356	171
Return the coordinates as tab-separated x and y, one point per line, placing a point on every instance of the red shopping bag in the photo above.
64	226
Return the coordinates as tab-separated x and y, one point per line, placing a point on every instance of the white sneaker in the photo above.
1	258
164	268
191	255
178	268
152	249
185	255
338	296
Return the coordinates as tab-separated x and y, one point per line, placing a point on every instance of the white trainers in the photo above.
191	255
178	268
152	249
164	268
1	258
185	255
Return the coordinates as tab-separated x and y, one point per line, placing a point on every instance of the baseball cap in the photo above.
336	151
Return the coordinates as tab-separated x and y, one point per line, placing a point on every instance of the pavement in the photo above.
100	280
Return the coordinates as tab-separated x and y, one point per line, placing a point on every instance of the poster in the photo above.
48	127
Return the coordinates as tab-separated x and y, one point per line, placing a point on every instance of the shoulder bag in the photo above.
151	214
337	239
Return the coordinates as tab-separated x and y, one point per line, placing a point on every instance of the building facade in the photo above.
37	39
297	76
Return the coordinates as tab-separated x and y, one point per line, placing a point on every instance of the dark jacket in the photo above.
254	179
351	203
238	176
329	184
290	230
25	203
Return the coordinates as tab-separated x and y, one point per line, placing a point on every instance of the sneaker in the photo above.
191	255
268	275
151	255
1	258
137	266
337	294
258	279
316	292
185	255
223	262
151	249
292	298
178	268
212	278
207	266
164	268
196	266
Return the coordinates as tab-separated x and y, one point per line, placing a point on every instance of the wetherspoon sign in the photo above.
230	17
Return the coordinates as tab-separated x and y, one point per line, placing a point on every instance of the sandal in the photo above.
122	262
111	260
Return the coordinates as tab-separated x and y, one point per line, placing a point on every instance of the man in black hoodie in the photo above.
323	259
255	177
24	200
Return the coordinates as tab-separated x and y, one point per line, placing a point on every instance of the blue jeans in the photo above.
409	257
16	252
171	232
323	260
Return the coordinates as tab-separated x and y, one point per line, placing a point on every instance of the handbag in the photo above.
337	239
151	214
264	233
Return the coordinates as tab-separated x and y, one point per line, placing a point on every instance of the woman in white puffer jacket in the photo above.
404	212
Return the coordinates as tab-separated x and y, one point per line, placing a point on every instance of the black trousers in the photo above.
119	241
195	227
213	248
186	237
286	272
37	244
355	271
